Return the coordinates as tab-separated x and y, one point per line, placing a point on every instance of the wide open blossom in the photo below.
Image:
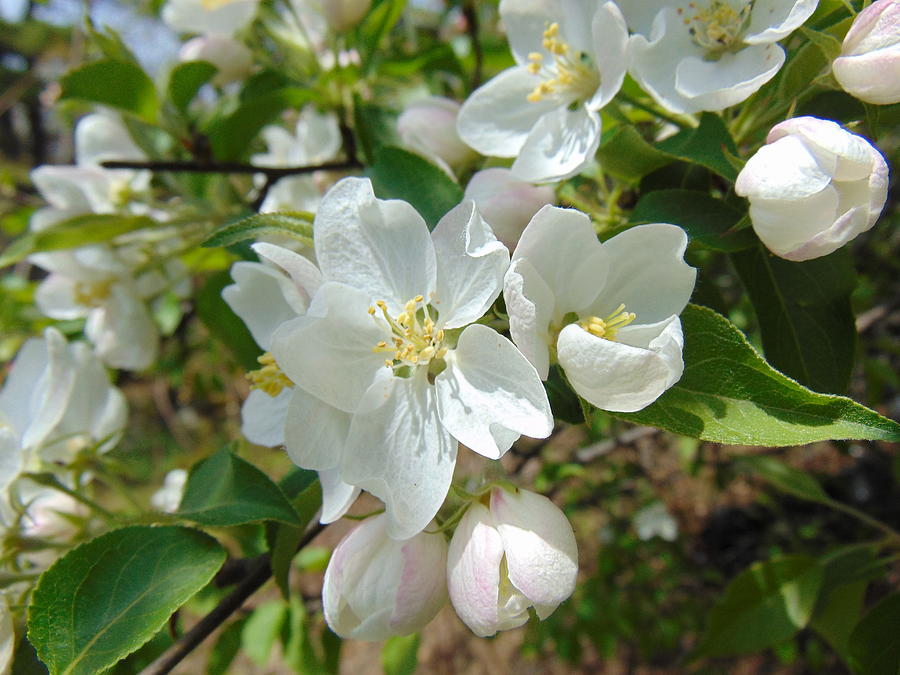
225	17
544	111
387	339
520	553
813	187
708	54
265	295
608	313
316	139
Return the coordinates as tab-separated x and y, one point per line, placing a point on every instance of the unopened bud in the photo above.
506	203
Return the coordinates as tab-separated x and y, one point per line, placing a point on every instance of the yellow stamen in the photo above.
570	73
92	293
718	27
414	342
608	327
270	378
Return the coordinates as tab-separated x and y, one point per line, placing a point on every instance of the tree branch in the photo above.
470	12
271	172
259	572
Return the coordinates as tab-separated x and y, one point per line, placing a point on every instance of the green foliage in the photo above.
120	84
91	228
625	154
262	629
873	644
763	606
185	81
399	655
295	225
399	174
104	599
708	145
729	394
225	490
803	310
375	27
707	220
223	323
785	478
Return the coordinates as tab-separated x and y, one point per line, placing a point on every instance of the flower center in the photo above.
571	72
414	339
270	378
92	293
608	327
717	28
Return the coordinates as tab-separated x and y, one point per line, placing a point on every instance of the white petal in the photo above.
470	266
489	387
843	155
292	193
611	375
315	432
773	20
525	22
784	170
258	298
52	391
610	49
103	136
647	273
329	352
263	417
306	276
65	186
123	331
560	144
473	570
530	305
784	225
195	16
399	451
337	496
382	247
422	588
12	462
497	117
541	552
18	402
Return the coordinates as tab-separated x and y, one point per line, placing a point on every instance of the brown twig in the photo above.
470	11
259	572
271	172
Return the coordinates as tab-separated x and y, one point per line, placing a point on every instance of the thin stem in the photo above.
259	572
662	114
271	172
470	12
48	480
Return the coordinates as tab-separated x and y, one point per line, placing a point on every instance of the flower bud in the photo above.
519	553
342	15
506	203
231	57
813	187
428	126
869	65
376	587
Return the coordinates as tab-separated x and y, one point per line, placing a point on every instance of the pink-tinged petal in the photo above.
470	266
473	570
329	352
422	587
398	450
489	388
541	552
611	375
315	433
561	144
382	247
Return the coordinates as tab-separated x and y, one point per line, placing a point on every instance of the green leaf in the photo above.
707	220
729	394
399	174
709	145
223	323
107	597
262	629
785	478
763	606
186	79
873	644
299	653
120	84
231	136
226	649
91	228
302	488
383	16
376	127
624	154
296	225
829	45
399	655
804	314
283	541
225	490
803	67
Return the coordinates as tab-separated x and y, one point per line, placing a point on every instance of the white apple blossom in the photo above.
520	553
507	203
708	54
376	587
428	126
265	295
654	520
209	16
316	139
813	187
343	15
387	341
544	111
168	497
232	59
7	637
869	65
608	313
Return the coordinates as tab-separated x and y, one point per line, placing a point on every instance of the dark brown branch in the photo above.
259	572
271	172
470	11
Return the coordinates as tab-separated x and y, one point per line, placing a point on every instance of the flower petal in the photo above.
315	433
263	417
398	451
530	305
258	298
560	144
610	49
379	246
773	20
489	387
470	266
123	331
306	276
337	496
